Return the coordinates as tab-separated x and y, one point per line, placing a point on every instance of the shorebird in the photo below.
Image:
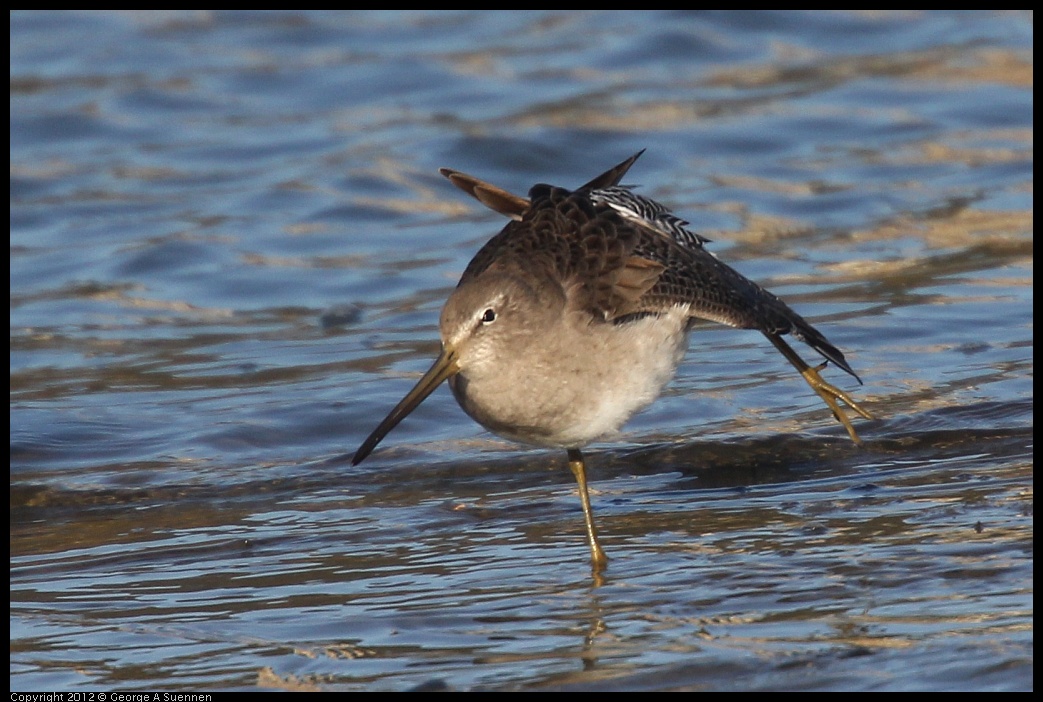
577	313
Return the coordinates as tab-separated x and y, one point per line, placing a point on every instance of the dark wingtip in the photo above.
828	351
845	367
834	354
613	175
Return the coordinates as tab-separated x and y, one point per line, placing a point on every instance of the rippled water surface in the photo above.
229	247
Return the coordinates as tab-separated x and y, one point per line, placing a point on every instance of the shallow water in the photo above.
229	246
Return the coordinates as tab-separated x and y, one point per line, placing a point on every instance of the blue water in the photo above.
229	247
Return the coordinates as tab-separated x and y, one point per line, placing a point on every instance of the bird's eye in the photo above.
489	316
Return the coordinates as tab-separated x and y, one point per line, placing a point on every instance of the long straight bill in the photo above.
444	366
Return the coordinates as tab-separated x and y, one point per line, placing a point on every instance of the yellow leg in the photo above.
598	558
827	392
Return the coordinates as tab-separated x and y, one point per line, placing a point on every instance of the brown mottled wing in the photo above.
587	249
715	291
625	268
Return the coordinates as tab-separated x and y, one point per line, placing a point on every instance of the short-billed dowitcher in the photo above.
577	313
